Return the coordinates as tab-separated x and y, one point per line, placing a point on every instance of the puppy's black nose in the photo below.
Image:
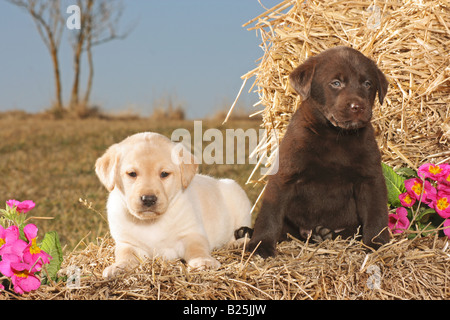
149	200
357	107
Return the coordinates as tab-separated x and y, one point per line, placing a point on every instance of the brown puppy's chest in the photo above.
322	174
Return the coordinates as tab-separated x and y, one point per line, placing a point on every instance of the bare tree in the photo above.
99	23
49	22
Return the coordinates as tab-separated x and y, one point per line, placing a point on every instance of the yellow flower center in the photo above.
417	188
407	199
21	274
34	248
434	169
2	242
442	204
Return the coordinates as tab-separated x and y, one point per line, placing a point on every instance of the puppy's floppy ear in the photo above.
188	171
301	78
188	168
106	166
382	85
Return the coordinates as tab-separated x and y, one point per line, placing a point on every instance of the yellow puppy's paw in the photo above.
203	263
114	270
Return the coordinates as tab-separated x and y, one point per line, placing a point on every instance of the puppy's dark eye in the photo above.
132	174
367	84
164	174
336	84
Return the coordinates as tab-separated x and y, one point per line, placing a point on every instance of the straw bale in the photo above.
410	42
338	269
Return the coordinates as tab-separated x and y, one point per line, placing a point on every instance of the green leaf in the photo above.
407	173
52	246
427	228
395	185
424	215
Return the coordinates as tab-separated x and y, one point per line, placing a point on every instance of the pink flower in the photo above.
406	199
416	187
447	224
21	277
428	170
442	204
10	242
22	207
32	254
443	188
445	177
398	221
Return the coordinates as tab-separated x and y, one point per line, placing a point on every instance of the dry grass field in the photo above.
52	163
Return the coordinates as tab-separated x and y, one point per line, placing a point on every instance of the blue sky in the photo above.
194	50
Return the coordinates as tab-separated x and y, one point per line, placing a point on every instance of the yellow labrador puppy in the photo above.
159	206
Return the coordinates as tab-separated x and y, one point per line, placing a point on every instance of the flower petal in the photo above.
12	203
442	204
429	170
25	206
398	221
5	264
30	231
29	283
447	224
406	199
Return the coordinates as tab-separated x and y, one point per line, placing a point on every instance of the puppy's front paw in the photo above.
321	234
203	263
263	248
242	232
239	243
114	270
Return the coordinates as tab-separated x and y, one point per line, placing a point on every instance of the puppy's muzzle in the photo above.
149	200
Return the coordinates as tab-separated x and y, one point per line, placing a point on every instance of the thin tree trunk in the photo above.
91	73
74	98
56	72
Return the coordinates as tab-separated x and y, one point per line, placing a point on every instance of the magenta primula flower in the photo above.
32	253
442	204
10	242
406	199
22	207
22	278
429	170
445	177
398	221
416	187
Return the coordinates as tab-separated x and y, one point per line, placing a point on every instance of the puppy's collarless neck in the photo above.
346	132
315	122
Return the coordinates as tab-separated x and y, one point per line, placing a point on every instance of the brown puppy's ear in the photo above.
106	165
382	85
301	78
188	168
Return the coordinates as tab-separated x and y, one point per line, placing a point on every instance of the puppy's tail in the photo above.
242	231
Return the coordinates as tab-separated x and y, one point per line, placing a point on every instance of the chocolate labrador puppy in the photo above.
329	181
